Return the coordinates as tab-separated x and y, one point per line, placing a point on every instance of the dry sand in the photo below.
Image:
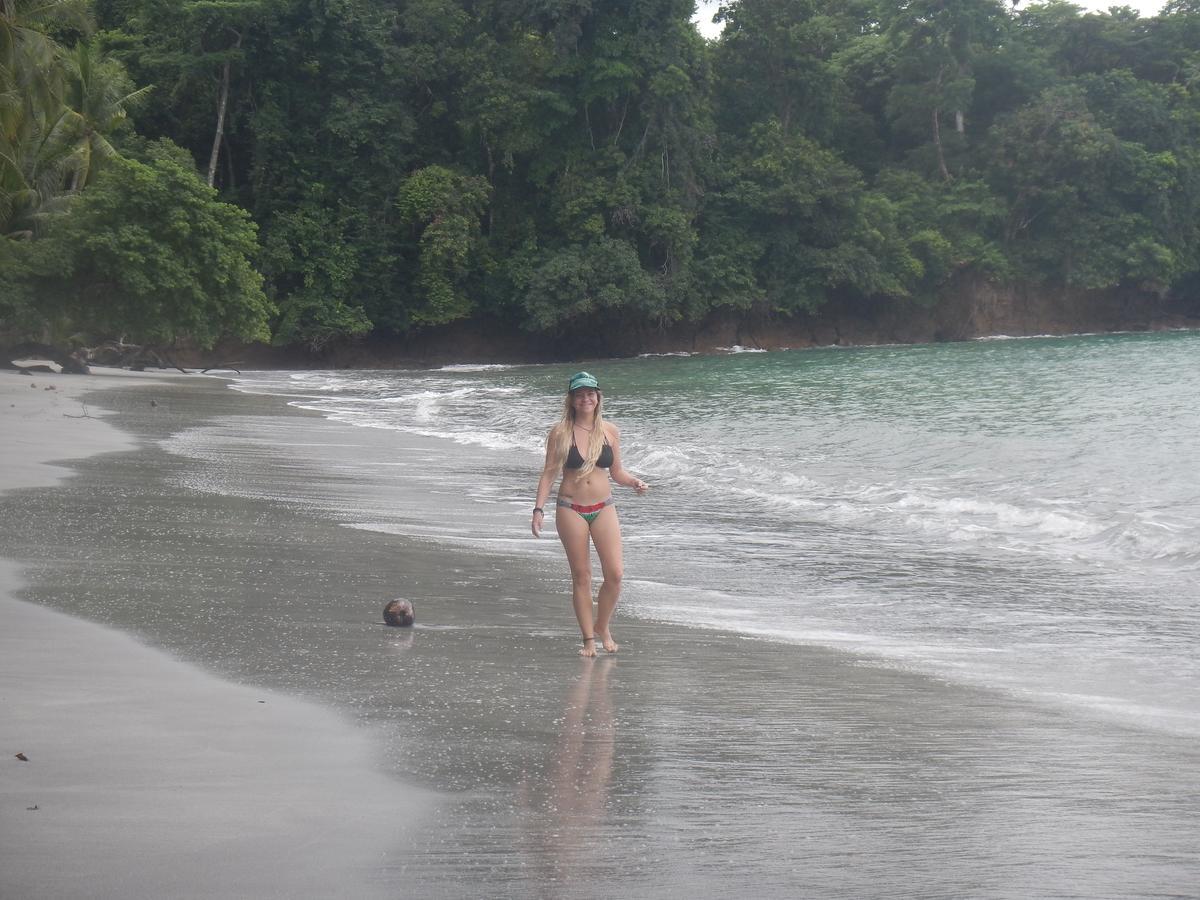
146	777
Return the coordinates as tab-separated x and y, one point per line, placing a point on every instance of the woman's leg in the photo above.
606	535
573	532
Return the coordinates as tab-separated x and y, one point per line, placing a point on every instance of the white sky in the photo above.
706	9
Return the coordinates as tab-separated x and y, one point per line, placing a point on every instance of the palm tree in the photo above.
32	165
95	98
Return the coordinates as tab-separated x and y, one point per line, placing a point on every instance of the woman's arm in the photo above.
545	483
618	472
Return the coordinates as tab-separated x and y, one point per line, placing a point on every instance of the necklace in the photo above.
585	428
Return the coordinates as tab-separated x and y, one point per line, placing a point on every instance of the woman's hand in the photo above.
640	486
538	518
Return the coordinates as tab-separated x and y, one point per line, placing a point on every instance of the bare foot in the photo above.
589	647
607	639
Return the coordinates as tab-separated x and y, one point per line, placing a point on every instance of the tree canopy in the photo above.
391	165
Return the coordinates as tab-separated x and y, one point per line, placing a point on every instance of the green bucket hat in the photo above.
582	380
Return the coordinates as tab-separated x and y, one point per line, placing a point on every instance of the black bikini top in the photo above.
575	458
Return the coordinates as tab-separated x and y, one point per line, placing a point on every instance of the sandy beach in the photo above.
144	776
221	713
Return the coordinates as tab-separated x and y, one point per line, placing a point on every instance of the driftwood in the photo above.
86	414
230	366
116	353
40	366
129	356
76	363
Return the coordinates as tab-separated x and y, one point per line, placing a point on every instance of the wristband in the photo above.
538	509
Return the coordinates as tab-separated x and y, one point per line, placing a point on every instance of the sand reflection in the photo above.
565	809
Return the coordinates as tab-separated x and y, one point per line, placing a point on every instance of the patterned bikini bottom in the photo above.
588	511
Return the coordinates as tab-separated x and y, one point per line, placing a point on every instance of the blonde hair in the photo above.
562	436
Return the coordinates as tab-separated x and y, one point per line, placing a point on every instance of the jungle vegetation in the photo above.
305	171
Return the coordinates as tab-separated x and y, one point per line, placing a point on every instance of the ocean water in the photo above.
1021	516
897	621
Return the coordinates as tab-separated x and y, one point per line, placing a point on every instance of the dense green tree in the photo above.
794	225
566	165
193	53
950	227
1084	202
311	263
588	281
331	138
617	102
442	210
148	252
937	44
776	60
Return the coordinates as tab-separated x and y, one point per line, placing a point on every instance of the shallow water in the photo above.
1021	515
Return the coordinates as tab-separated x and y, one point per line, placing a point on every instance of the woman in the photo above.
586	450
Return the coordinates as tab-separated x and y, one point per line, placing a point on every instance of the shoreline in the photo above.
147	775
980	312
485	349
977	311
694	762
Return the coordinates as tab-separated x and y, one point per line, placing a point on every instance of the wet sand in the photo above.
693	764
145	776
